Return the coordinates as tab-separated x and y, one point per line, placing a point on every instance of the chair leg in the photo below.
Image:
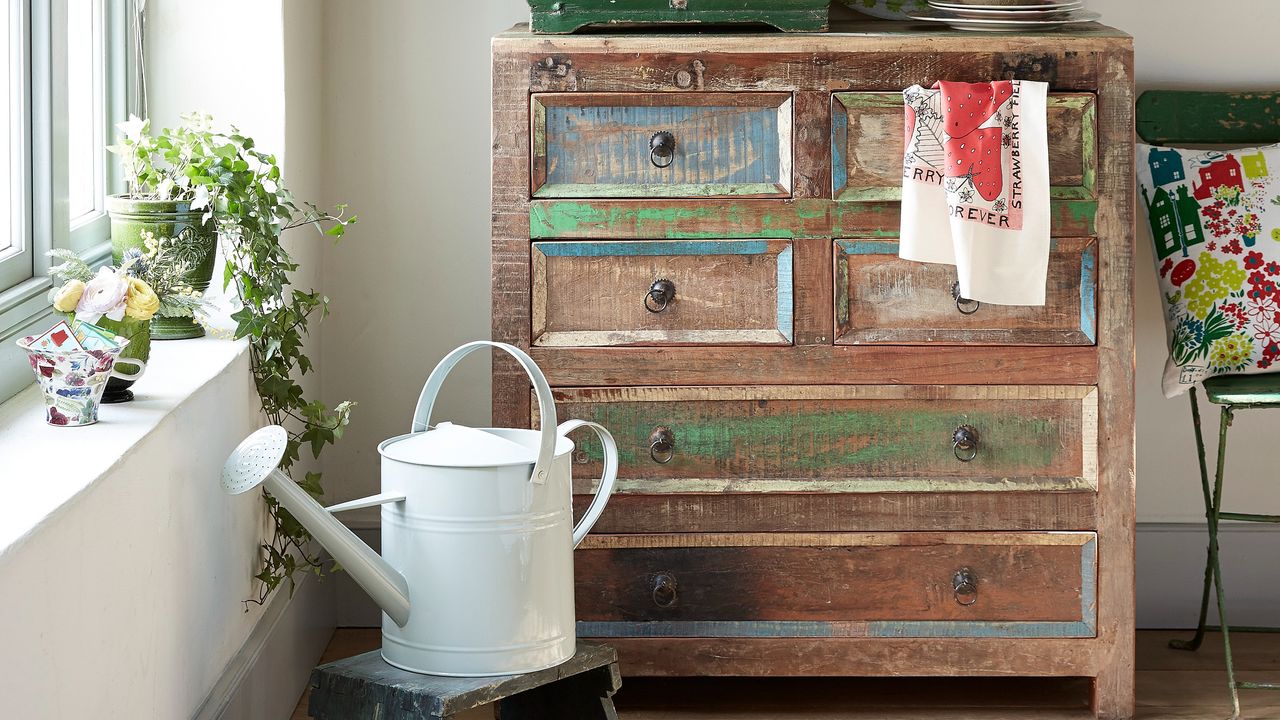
1214	557
1194	643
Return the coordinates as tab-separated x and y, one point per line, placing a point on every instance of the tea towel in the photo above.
975	186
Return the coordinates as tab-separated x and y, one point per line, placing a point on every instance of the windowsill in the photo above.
43	468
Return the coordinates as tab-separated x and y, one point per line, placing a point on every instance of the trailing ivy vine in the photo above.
239	188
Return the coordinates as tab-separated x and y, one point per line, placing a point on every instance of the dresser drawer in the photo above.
838	585
867	145
708	292
839	438
606	145
881	298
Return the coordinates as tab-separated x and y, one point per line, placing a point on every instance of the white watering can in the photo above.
476	572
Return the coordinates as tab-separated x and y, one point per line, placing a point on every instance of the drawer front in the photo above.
867	145
601	145
716	292
881	298
838	585
839	438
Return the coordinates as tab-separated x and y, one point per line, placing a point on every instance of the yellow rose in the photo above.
68	296
141	302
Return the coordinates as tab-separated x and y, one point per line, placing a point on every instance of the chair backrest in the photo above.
1189	117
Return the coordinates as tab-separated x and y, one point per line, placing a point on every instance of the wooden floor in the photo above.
1171	684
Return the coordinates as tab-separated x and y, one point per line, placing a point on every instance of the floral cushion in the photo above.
1214	217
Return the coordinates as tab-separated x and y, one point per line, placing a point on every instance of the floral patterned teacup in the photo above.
73	380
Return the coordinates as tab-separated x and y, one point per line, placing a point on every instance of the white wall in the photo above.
1231	48
106	615
407	137
128	602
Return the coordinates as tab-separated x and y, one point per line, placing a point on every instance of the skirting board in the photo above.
1170	576
269	673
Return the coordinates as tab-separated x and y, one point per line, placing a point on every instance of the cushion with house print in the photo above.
1214	219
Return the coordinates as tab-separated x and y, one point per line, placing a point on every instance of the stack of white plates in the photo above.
1006	15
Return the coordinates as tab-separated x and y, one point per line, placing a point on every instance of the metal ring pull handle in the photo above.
964	443
662	445
664	590
660	295
662	149
965	586
963	304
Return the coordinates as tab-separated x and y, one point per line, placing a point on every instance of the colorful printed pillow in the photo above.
1214	217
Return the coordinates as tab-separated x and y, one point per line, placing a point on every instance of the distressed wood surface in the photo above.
795	63
867	145
556	16
881	298
841	438
812	292
1114	684
509	243
366	686
862	58
866	657
837	585
597	146
727	292
1172	117
722	512
750	218
815	364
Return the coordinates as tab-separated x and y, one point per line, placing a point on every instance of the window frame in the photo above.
17	267
24	307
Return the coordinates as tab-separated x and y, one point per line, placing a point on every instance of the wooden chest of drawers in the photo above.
826	467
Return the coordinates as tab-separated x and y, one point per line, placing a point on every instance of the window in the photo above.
1164	221
65	64
15	242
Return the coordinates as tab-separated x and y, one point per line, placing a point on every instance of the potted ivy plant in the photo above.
163	201
222	185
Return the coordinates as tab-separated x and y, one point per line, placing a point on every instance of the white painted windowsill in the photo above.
44	469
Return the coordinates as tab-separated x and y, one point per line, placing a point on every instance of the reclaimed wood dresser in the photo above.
830	464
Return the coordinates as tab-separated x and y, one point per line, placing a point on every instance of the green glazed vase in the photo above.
130	218
138	333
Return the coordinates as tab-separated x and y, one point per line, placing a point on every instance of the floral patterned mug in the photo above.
73	380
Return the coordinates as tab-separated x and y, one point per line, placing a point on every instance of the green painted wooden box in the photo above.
566	16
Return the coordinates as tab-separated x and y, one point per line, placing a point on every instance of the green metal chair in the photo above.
1203	118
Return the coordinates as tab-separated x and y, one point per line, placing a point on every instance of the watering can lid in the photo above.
450	445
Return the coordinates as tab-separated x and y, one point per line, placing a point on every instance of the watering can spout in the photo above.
256	462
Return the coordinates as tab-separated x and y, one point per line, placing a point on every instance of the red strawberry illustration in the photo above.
977	156
910	125
968	105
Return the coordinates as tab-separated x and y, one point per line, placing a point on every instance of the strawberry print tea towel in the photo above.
975	186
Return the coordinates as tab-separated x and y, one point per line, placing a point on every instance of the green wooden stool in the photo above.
1199	118
365	687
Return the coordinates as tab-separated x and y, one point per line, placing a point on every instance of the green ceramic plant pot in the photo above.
196	241
139	348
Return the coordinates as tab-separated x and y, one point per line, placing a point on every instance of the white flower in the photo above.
105	294
134	127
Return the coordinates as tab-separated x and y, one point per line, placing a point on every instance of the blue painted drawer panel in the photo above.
727	292
1012	585
598	145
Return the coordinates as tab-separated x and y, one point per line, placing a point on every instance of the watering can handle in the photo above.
607	480
546	403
